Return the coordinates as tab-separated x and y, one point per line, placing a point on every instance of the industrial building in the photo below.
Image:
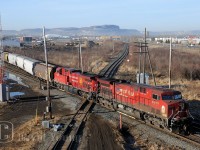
26	41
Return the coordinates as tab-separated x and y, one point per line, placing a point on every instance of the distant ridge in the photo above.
99	30
176	33
111	30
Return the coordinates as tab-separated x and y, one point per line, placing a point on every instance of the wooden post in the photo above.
47	76
144	63
170	62
36	117
113	47
79	57
81	60
140	61
120	121
151	66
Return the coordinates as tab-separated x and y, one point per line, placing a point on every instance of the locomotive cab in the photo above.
178	114
62	75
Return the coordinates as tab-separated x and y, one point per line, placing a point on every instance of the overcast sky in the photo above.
155	15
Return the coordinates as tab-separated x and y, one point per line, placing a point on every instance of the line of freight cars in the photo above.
155	105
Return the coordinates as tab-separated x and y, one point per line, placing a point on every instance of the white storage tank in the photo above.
46	124
12	58
29	64
141	78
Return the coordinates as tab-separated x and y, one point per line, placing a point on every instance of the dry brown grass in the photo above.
185	63
185	69
94	59
25	136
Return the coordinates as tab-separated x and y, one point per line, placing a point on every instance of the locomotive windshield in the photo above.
172	97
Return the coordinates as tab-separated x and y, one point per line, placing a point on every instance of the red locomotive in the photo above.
70	79
66	76
155	105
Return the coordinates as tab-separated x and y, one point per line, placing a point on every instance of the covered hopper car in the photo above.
40	71
12	58
29	65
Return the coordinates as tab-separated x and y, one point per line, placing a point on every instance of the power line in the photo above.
143	48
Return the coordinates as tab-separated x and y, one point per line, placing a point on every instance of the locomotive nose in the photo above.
183	106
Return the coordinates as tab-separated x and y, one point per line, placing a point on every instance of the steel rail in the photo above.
73	127
108	70
193	139
113	70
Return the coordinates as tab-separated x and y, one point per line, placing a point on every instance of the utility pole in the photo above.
151	67
170	62
146	51
4	89
81	57
140	61
1	35
47	77
113	47
144	63
2	55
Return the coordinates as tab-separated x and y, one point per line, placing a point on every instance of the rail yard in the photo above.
84	121
99	75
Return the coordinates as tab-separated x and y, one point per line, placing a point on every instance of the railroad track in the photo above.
196	124
80	117
69	138
20	72
110	70
32	99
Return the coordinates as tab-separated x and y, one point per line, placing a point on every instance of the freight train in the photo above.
155	105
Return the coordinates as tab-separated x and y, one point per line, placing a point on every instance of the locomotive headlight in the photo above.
163	109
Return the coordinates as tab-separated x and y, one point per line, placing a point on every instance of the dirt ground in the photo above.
27	129
102	132
100	135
